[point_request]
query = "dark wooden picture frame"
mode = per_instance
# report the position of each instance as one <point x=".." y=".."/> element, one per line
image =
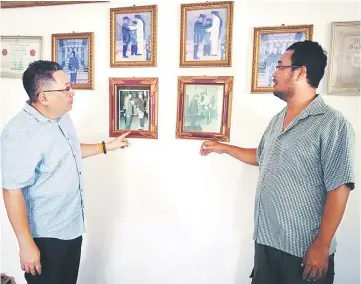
<point x="200" y="108"/>
<point x="125" y="92"/>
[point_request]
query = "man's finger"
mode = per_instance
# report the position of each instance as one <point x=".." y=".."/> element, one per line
<point x="306" y="271"/>
<point x="124" y="144"/>
<point x="313" y="273"/>
<point x="22" y="267"/>
<point x="125" y="134"/>
<point x="33" y="270"/>
<point x="207" y="144"/>
<point x="320" y="273"/>
<point x="27" y="268"/>
<point x="38" y="267"/>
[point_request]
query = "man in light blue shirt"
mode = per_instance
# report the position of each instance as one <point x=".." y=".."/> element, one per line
<point x="42" y="177"/>
<point x="306" y="172"/>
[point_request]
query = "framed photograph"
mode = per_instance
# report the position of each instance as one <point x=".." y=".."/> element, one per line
<point x="74" y="52"/>
<point x="133" y="36"/>
<point x="344" y="66"/>
<point x="133" y="104"/>
<point x="269" y="43"/>
<point x="17" y="52"/>
<point x="204" y="108"/>
<point x="206" y="34"/>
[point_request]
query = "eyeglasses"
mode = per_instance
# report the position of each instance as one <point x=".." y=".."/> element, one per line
<point x="281" y="67"/>
<point x="67" y="89"/>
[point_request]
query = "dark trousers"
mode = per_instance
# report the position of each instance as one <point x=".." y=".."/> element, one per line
<point x="59" y="261"/>
<point x="133" y="49"/>
<point x="272" y="266"/>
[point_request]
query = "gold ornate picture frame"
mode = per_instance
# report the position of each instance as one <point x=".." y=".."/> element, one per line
<point x="268" y="45"/>
<point x="344" y="59"/>
<point x="204" y="107"/>
<point x="133" y="106"/>
<point x="133" y="36"/>
<point x="206" y="34"/>
<point x="75" y="54"/>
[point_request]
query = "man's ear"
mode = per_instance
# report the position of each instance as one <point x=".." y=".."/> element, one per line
<point x="42" y="98"/>
<point x="303" y="72"/>
<point x="300" y="73"/>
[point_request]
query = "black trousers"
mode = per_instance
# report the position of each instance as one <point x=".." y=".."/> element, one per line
<point x="272" y="266"/>
<point x="59" y="261"/>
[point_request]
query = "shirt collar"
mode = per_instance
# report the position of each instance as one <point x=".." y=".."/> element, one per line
<point x="317" y="106"/>
<point x="37" y="115"/>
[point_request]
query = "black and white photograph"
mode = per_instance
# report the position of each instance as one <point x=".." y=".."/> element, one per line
<point x="203" y="108"/>
<point x="133" y="109"/>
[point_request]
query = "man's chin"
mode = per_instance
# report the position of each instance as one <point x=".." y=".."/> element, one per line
<point x="279" y="95"/>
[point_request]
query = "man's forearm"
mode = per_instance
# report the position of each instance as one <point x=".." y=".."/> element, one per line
<point x="332" y="214"/>
<point x="89" y="150"/>
<point x="245" y="155"/>
<point x="17" y="214"/>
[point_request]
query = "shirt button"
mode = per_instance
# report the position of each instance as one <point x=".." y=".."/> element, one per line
<point x="79" y="173"/>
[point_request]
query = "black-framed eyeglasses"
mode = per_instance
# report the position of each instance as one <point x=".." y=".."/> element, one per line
<point x="67" y="89"/>
<point x="281" y="67"/>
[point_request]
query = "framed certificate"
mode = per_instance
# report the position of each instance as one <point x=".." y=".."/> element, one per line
<point x="17" y="52"/>
<point x="344" y="70"/>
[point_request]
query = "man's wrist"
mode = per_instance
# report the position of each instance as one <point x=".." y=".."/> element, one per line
<point x="224" y="148"/>
<point x="102" y="148"/>
<point x="322" y="241"/>
<point x="25" y="239"/>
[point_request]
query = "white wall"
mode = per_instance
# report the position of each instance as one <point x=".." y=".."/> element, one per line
<point x="147" y="222"/>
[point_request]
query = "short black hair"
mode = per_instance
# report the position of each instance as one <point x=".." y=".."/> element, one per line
<point x="38" y="74"/>
<point x="311" y="55"/>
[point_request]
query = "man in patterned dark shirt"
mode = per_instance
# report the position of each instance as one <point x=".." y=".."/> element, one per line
<point x="306" y="172"/>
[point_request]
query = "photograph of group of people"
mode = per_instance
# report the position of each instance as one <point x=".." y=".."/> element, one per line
<point x="203" y="108"/>
<point x="133" y="34"/>
<point x="271" y="47"/>
<point x="133" y="109"/>
<point x="206" y="32"/>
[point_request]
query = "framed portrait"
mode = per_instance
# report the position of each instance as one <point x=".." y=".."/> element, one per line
<point x="133" y="104"/>
<point x="74" y="53"/>
<point x="269" y="43"/>
<point x="204" y="108"/>
<point x="206" y="34"/>
<point x="17" y="52"/>
<point x="344" y="66"/>
<point x="133" y="36"/>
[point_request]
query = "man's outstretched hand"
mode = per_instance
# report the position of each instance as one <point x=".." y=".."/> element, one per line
<point x="211" y="147"/>
<point x="118" y="143"/>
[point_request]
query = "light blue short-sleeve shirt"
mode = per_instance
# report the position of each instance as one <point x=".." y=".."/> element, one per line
<point x="42" y="157"/>
<point x="298" y="167"/>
